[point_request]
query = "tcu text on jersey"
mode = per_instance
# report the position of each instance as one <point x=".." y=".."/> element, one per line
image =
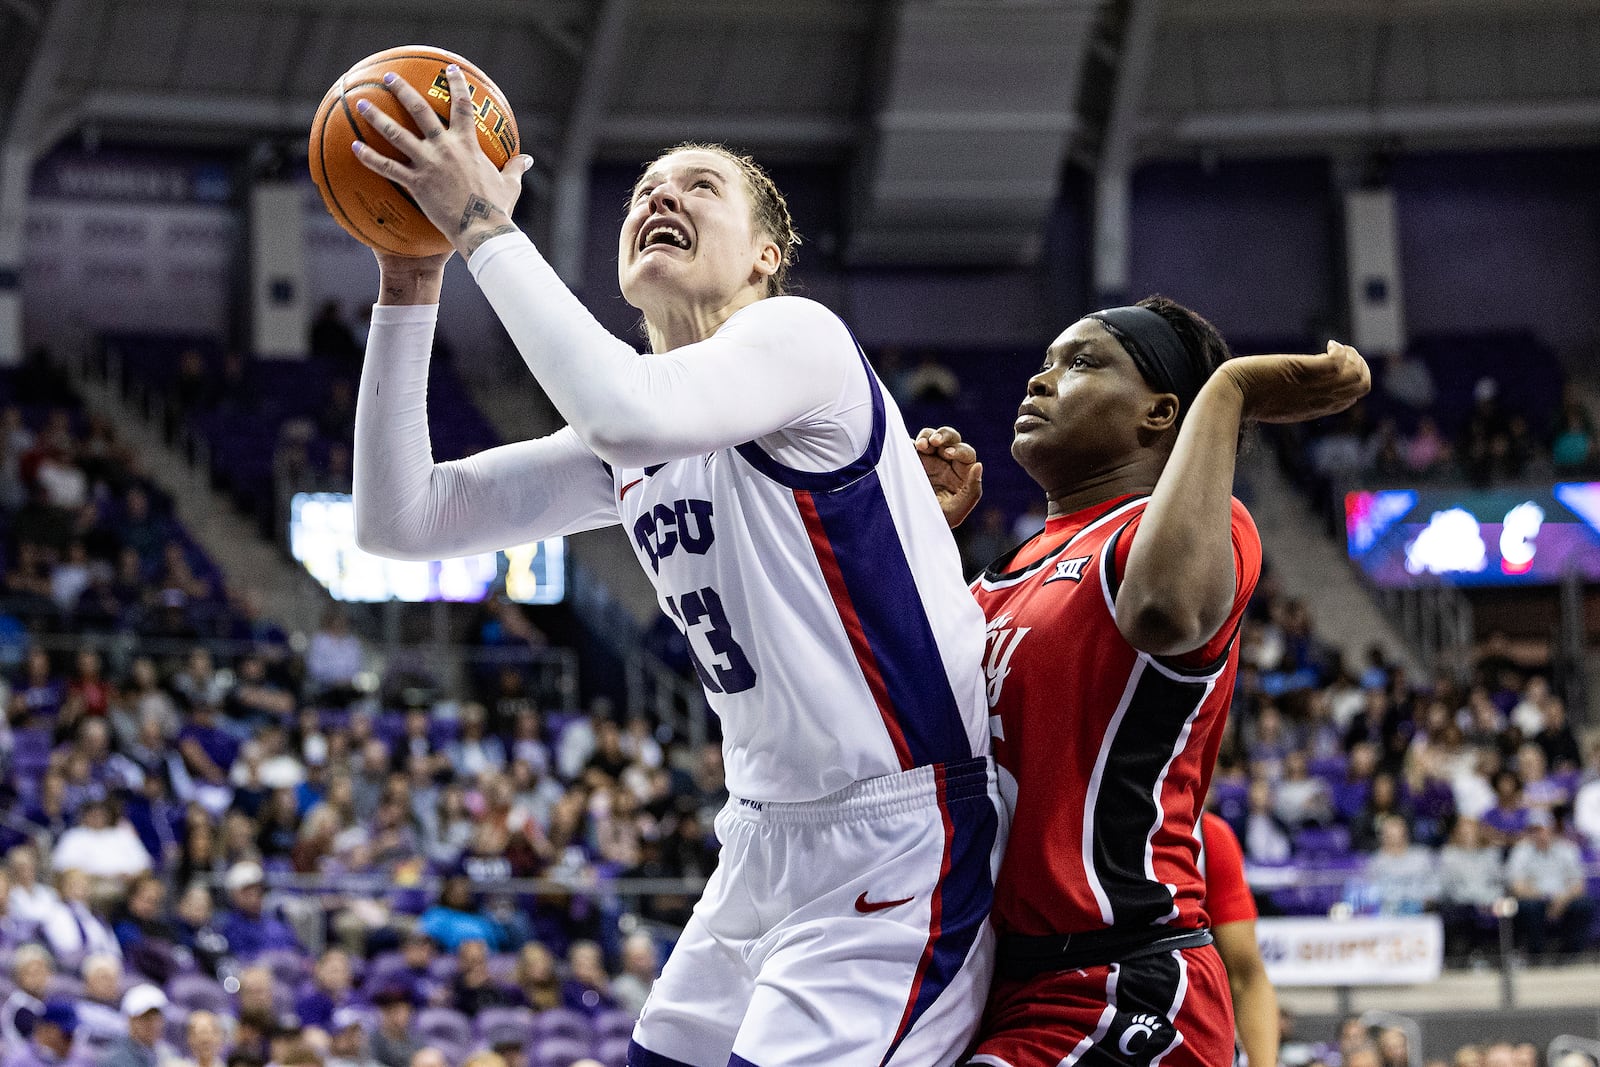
<point x="665" y="528"/>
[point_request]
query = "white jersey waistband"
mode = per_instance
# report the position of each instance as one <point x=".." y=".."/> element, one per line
<point x="887" y="794"/>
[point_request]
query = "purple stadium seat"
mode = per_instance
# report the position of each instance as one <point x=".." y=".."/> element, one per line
<point x="491" y="1019"/>
<point x="63" y="985"/>
<point x="558" y="1052"/>
<point x="382" y="970"/>
<point x="199" y="992"/>
<point x="612" y="1052"/>
<point x="289" y="967"/>
<point x="503" y="968"/>
<point x="613" y="1022"/>
<point x="440" y="1026"/>
<point x="563" y="1022"/>
<point x="1322" y="842"/>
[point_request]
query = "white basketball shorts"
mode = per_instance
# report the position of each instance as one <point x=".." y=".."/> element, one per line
<point x="851" y="930"/>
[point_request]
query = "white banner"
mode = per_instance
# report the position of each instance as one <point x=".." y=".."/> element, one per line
<point x="1401" y="950"/>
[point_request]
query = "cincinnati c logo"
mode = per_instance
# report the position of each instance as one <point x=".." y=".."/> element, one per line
<point x="1137" y="1037"/>
<point x="1069" y="569"/>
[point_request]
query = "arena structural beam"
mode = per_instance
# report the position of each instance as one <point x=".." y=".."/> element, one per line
<point x="1118" y="147"/>
<point x="569" y="215"/>
<point x="975" y="109"/>
<point x="1579" y="119"/>
<point x="18" y="151"/>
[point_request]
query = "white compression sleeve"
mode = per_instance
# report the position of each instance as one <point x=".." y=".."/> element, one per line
<point x="409" y="507"/>
<point x="774" y="365"/>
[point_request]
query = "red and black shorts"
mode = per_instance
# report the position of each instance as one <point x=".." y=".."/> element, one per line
<point x="1170" y="1009"/>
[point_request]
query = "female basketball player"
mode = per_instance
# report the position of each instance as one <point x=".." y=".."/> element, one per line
<point x="1112" y="652"/>
<point x="772" y="494"/>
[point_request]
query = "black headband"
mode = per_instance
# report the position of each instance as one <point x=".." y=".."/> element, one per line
<point x="1157" y="350"/>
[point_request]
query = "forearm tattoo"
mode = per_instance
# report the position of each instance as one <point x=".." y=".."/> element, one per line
<point x="477" y="240"/>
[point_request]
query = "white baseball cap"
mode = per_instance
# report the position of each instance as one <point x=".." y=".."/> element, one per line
<point x="143" y="999"/>
<point x="242" y="874"/>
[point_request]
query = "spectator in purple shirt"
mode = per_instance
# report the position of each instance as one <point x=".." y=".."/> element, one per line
<point x="208" y="753"/>
<point x="248" y="929"/>
<point x="329" y="992"/>
<point x="1505" y="821"/>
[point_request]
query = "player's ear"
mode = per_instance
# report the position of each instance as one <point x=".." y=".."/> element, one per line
<point x="1162" y="414"/>
<point x="768" y="259"/>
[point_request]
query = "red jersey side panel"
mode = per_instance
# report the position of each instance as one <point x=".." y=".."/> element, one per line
<point x="1110" y="750"/>
<point x="1228" y="898"/>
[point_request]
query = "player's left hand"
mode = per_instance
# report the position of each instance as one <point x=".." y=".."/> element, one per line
<point x="1298" y="388"/>
<point x="953" y="470"/>
<point x="447" y="173"/>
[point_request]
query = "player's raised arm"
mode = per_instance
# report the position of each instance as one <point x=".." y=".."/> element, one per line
<point x="697" y="248"/>
<point x="1178" y="585"/>
<point x="408" y="506"/>
<point x="765" y="368"/>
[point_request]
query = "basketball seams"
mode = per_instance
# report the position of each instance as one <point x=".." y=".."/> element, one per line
<point x="328" y="196"/>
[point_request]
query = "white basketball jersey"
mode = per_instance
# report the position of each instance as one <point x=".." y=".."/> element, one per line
<point x="825" y="611"/>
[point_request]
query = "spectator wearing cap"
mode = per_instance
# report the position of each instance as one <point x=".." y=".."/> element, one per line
<point x="144" y="1008"/>
<point x="31" y="970"/>
<point x="202" y="1035"/>
<point x="249" y="930"/>
<point x="52" y="1042"/>
<point x="1546" y="876"/>
<point x="99" y="1009"/>
<point x="347" y="1040"/>
<point x="393" y="1043"/>
<point x="72" y="930"/>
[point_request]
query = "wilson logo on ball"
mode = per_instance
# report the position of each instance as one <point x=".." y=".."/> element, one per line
<point x="440" y="90"/>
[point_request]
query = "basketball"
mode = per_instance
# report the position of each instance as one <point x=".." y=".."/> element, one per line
<point x="373" y="209"/>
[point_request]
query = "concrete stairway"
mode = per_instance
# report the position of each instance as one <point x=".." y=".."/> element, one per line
<point x="288" y="595"/>
<point x="1313" y="568"/>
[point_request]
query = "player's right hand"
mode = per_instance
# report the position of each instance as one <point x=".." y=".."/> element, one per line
<point x="953" y="471"/>
<point x="1298" y="388"/>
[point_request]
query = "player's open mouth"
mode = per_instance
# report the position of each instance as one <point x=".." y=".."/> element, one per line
<point x="662" y="233"/>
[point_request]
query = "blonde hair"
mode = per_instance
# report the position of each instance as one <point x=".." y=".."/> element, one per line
<point x="770" y="211"/>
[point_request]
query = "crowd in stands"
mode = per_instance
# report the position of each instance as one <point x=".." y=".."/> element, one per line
<point x="216" y="843"/>
<point x="1361" y="1043"/>
<point x="1357" y="784"/>
<point x="1448" y="411"/>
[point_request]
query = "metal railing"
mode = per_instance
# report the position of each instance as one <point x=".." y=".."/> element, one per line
<point x="1437" y="621"/>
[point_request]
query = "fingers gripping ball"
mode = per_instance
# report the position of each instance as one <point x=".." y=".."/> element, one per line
<point x="373" y="209"/>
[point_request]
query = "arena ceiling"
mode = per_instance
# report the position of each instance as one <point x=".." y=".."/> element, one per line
<point x="957" y="118"/>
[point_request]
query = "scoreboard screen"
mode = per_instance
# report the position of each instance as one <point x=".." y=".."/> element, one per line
<point x="1506" y="535"/>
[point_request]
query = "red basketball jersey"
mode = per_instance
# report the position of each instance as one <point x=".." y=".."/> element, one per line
<point x="1228" y="898"/>
<point x="1109" y="750"/>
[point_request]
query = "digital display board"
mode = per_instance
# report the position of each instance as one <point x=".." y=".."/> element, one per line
<point x="322" y="536"/>
<point x="1506" y="535"/>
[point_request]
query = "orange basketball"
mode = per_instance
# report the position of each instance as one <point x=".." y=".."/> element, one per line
<point x="373" y="209"/>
